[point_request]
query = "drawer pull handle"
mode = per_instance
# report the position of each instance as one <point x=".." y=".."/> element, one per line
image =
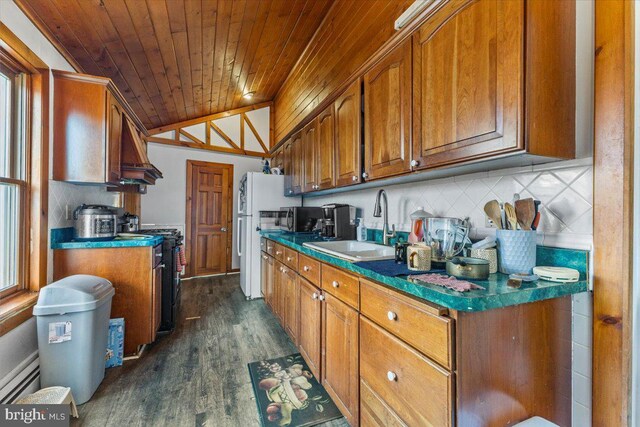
<point x="314" y="296"/>
<point x="392" y="316"/>
<point x="278" y="253"/>
<point x="335" y="284"/>
<point x="306" y="268"/>
<point x="391" y="376"/>
<point x="289" y="258"/>
<point x="321" y="297"/>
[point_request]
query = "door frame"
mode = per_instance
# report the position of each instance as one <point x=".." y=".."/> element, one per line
<point x="188" y="227"/>
<point x="613" y="193"/>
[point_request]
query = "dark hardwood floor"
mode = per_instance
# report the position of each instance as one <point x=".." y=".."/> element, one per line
<point x="197" y="375"/>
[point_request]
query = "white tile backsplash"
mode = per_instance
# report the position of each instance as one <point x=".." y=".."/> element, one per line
<point x="63" y="194"/>
<point x="566" y="192"/>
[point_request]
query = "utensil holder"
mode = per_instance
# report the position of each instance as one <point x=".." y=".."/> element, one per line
<point x="516" y="251"/>
<point x="490" y="255"/>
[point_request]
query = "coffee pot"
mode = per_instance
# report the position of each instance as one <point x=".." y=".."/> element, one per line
<point x="446" y="236"/>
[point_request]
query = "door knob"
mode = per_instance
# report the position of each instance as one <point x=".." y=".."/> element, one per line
<point x="223" y="229"/>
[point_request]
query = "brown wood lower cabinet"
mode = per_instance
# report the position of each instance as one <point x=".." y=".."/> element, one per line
<point x="310" y="325"/>
<point x="391" y="359"/>
<point x="340" y="355"/>
<point x="136" y="275"/>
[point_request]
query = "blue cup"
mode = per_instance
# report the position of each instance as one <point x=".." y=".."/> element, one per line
<point x="516" y="251"/>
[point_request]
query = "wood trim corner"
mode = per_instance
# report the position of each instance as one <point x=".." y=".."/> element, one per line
<point x="613" y="211"/>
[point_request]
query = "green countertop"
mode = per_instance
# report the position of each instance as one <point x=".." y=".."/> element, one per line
<point x="495" y="295"/>
<point x="62" y="238"/>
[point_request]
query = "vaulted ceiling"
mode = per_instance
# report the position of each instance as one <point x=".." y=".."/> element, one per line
<point x="176" y="60"/>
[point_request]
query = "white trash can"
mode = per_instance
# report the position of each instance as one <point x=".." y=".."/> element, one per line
<point x="73" y="326"/>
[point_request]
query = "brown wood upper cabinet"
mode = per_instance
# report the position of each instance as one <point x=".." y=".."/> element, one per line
<point x="86" y="141"/>
<point x="293" y="158"/>
<point x="325" y="176"/>
<point x="387" y="115"/>
<point x="310" y="156"/>
<point x="469" y="82"/>
<point x="347" y="136"/>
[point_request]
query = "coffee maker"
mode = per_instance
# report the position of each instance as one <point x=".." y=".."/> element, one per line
<point x="339" y="221"/>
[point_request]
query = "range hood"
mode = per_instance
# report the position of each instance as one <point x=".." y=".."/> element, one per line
<point x="135" y="167"/>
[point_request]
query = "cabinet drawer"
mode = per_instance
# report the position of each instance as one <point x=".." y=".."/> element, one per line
<point x="271" y="247"/>
<point x="416" y="389"/>
<point x="374" y="411"/>
<point x="421" y="325"/>
<point x="341" y="285"/>
<point x="309" y="269"/>
<point x="278" y="252"/>
<point x="291" y="258"/>
<point x="263" y="244"/>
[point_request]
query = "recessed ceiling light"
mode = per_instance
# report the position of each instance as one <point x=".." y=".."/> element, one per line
<point x="248" y="95"/>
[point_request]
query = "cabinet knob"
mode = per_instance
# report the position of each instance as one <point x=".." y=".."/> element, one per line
<point x="414" y="163"/>
<point x="264" y="257"/>
<point x="335" y="283"/>
<point x="290" y="191"/>
<point x="365" y="175"/>
<point x="354" y="178"/>
<point x="391" y="376"/>
<point x="159" y="255"/>
<point x="289" y="258"/>
<point x="163" y="266"/>
<point x="392" y="316"/>
<point x="223" y="229"/>
<point x="278" y="253"/>
<point x="306" y="268"/>
<point x="314" y="296"/>
<point x="321" y="297"/>
<point x="284" y="270"/>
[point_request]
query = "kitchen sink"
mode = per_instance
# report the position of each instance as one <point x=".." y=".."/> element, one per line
<point x="353" y="250"/>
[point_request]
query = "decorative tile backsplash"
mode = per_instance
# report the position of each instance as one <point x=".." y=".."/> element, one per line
<point x="62" y="194"/>
<point x="564" y="188"/>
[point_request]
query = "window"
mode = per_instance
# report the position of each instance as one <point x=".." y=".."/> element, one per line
<point x="14" y="177"/>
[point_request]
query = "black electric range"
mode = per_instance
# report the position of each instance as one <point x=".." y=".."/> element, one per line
<point x="171" y="247"/>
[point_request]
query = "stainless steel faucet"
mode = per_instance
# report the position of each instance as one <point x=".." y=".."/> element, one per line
<point x="377" y="211"/>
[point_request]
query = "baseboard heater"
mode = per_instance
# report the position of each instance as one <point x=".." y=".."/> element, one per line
<point x="22" y="380"/>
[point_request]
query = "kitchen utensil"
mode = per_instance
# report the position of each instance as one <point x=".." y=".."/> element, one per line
<point x="490" y="254"/>
<point x="419" y="257"/>
<point x="446" y="236"/>
<point x="493" y="211"/>
<point x="526" y="213"/>
<point x="524" y="277"/>
<point x="401" y="252"/>
<point x="94" y="222"/>
<point x="417" y="225"/>
<point x="510" y="214"/>
<point x="557" y="274"/>
<point x="536" y="222"/>
<point x="516" y="251"/>
<point x="486" y="243"/>
<point x="468" y="268"/>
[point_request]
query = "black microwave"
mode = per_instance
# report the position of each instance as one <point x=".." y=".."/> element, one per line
<point x="299" y="219"/>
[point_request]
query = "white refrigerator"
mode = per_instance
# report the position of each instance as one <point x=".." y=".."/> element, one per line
<point x="257" y="192"/>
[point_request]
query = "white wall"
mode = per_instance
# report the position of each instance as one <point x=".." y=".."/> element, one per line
<point x="165" y="202"/>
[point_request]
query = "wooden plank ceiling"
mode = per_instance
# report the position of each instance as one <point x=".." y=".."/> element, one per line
<point x="351" y="33"/>
<point x="176" y="60"/>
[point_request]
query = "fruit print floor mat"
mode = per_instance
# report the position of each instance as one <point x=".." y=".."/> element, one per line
<point x="287" y="393"/>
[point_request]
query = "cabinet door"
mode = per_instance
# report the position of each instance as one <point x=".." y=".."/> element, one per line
<point x="270" y="276"/>
<point x="340" y="374"/>
<point x="114" y="140"/>
<point x="277" y="291"/>
<point x="296" y="163"/>
<point x="291" y="304"/>
<point x="468" y="82"/>
<point x="347" y="136"/>
<point x="287" y="164"/>
<point x="387" y="115"/>
<point x="264" y="274"/>
<point x="310" y="155"/>
<point x="156" y="297"/>
<point x="325" y="157"/>
<point x="310" y="324"/>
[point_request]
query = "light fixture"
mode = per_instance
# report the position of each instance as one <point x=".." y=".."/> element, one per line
<point x="248" y="95"/>
<point x="411" y="12"/>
